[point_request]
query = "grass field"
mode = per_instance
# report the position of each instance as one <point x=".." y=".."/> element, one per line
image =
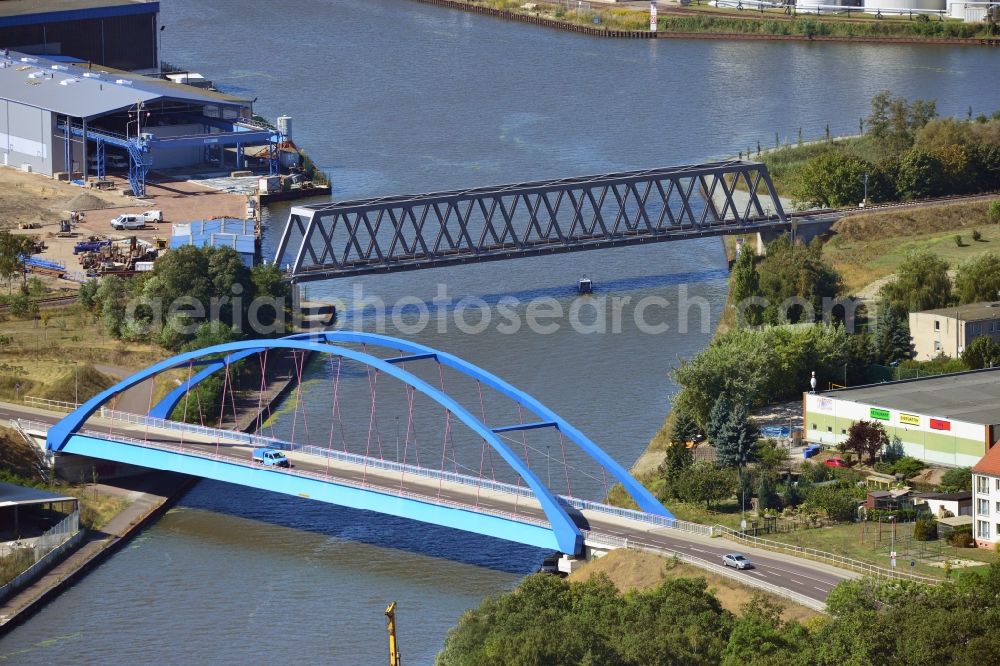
<point x="632" y="570"/>
<point x="47" y="356"/>
<point x="863" y="544"/>
<point x="865" y="248"/>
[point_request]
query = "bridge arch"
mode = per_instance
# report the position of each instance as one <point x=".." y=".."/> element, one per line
<point x="567" y="534"/>
<point x="642" y="497"/>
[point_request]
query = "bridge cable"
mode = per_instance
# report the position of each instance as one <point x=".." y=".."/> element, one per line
<point x="562" y="445"/>
<point x="489" y="450"/>
<point x="299" y="369"/>
<point x="454" y="453"/>
<point x="149" y="408"/>
<point x="187" y="397"/>
<point x="406" y="440"/>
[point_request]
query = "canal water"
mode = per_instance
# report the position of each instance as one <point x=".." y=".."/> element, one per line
<point x="393" y="96"/>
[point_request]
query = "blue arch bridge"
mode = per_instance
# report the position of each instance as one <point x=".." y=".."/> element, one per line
<point x="470" y="451"/>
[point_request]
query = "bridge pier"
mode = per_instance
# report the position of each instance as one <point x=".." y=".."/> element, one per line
<point x="802" y="232"/>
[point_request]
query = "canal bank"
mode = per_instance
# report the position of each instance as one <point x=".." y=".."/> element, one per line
<point x="717" y="25"/>
<point x="149" y="497"/>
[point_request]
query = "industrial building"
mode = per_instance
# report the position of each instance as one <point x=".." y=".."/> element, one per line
<point x="77" y="121"/>
<point x="949" y="419"/>
<point x="113" y="33"/>
<point x="950" y="331"/>
<point x="224" y="232"/>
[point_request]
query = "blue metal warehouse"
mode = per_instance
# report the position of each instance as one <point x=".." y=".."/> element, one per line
<point x="130" y="122"/>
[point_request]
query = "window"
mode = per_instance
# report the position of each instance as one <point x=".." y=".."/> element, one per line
<point x="998" y="484"/>
<point x="829" y="428"/>
<point x="983" y="484"/>
<point x="937" y="345"/>
<point x="814" y="427"/>
<point x="937" y="325"/>
<point x="983" y="508"/>
<point x="843" y="431"/>
<point x="997" y="507"/>
<point x="982" y="529"/>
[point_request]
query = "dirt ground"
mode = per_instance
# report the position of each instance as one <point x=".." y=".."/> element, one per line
<point x="33" y="198"/>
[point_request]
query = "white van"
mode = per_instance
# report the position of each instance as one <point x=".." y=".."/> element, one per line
<point x="128" y="222"/>
<point x="153" y="216"/>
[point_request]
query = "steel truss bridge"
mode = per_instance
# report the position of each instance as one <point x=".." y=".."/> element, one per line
<point x="456" y="482"/>
<point x="526" y="219"/>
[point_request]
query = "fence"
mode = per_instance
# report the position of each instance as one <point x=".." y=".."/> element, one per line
<point x="42" y="552"/>
<point x="823" y="556"/>
<point x="45" y="403"/>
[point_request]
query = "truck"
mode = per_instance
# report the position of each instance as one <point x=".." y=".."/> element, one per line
<point x="128" y="222"/>
<point x="270" y="457"/>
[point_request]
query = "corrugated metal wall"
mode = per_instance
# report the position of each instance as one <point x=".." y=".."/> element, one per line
<point x="25" y="137"/>
<point x="124" y="42"/>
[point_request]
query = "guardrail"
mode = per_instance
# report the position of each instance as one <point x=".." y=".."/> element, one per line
<point x="46" y="403"/>
<point x="840" y="561"/>
<point x="403" y="468"/>
<point x="243" y="462"/>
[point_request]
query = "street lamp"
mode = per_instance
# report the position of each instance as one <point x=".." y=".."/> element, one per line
<point x="864" y="202"/>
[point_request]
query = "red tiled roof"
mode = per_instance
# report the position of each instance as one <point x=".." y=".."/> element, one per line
<point x="990" y="464"/>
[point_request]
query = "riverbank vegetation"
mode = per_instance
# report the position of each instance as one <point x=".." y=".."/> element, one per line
<point x="701" y="18"/>
<point x="905" y="152"/>
<point x="547" y="620"/>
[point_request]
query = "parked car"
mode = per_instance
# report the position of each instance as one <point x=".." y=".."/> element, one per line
<point x="835" y="462"/>
<point x="128" y="222"/>
<point x="736" y="560"/>
<point x="270" y="458"/>
<point x="550" y="564"/>
<point x="153" y="216"/>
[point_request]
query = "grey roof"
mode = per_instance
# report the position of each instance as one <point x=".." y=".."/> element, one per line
<point x="83" y="92"/>
<point x="22" y="7"/>
<point x="973" y="397"/>
<point x="12" y="494"/>
<point x="968" y="312"/>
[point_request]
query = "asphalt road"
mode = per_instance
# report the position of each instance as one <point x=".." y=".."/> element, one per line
<point x="801" y="576"/>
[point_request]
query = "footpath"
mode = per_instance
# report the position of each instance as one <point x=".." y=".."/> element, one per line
<point x="149" y="497"/>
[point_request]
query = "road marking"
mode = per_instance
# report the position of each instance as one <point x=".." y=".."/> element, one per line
<point x="797" y="582"/>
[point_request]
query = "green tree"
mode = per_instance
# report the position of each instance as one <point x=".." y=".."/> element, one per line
<point x="760" y="638"/>
<point x="925" y="529"/>
<point x="706" y="482"/>
<point x="982" y="352"/>
<point x="957" y="480"/>
<point x="675" y="465"/>
<point x="921" y="283"/>
<point x="14" y="248"/>
<point x="919" y="175"/>
<point x="837" y="503"/>
<point x="892" y="336"/>
<point x="978" y="279"/>
<point x="684" y="428"/>
<point x="745" y="286"/>
<point x="113" y="294"/>
<point x="798" y="273"/>
<point x="831" y="179"/>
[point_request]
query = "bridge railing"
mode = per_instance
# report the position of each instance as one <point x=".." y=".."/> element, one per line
<point x="613" y="542"/>
<point x="833" y="559"/>
<point x="320" y="476"/>
<point x="403" y="468"/>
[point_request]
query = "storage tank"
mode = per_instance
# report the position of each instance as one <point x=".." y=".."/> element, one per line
<point x="897" y="7"/>
<point x="970" y="12"/>
<point x="285" y="127"/>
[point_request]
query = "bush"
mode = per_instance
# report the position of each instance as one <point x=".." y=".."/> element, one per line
<point x="908" y="466"/>
<point x="957" y="480"/>
<point x="961" y="537"/>
<point x="925" y="529"/>
<point x="976" y="236"/>
<point x="994" y="211"/>
<point x="839" y="504"/>
<point x="958" y="240"/>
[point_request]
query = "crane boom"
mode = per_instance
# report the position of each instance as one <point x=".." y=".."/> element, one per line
<point x="390" y="615"/>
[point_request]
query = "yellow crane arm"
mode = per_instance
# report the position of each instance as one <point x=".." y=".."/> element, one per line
<point x="390" y="616"/>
